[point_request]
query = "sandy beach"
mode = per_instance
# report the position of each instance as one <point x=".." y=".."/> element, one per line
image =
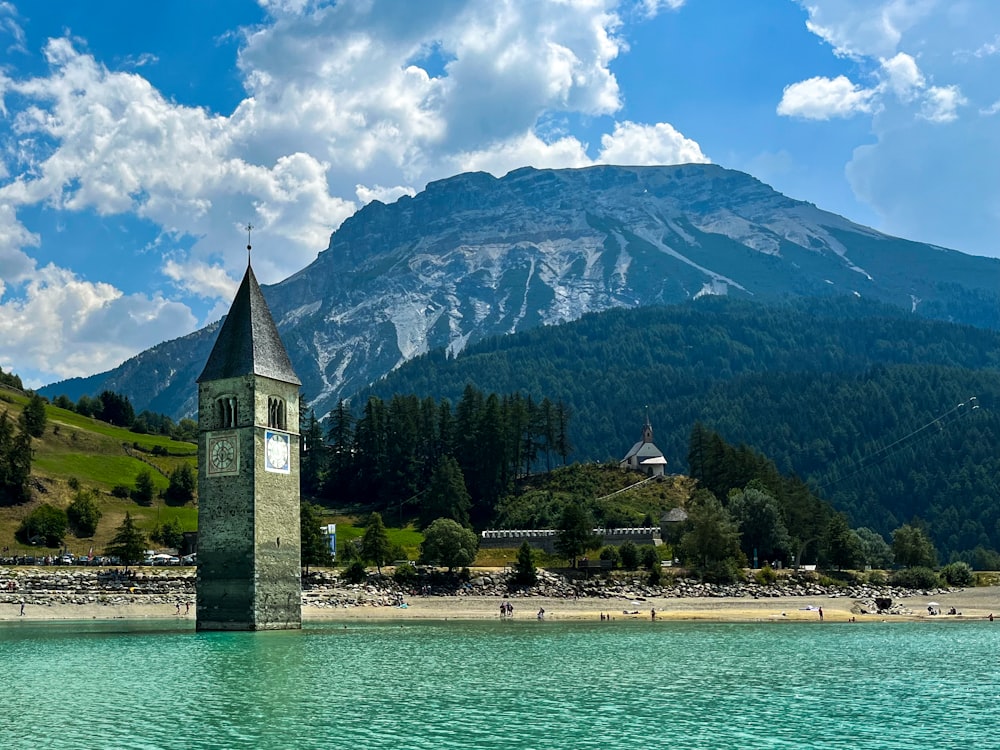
<point x="973" y="604"/>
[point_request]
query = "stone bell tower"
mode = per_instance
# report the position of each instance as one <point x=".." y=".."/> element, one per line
<point x="248" y="480"/>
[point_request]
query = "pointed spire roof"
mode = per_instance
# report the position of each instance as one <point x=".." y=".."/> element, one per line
<point x="248" y="342"/>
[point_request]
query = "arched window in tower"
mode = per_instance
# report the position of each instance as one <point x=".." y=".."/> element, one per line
<point x="225" y="411"/>
<point x="276" y="413"/>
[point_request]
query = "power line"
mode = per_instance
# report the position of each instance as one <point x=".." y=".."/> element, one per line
<point x="958" y="411"/>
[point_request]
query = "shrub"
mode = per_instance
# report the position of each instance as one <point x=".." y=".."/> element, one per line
<point x="45" y="525"/>
<point x="83" y="514"/>
<point x="611" y="553"/>
<point x="648" y="557"/>
<point x="655" y="577"/>
<point x="766" y="576"/>
<point x="404" y="574"/>
<point x="958" y="574"/>
<point x="355" y="572"/>
<point x="916" y="578"/>
<point x="524" y="571"/>
<point x="722" y="571"/>
<point x="628" y="553"/>
<point x="877" y="578"/>
<point x="121" y="491"/>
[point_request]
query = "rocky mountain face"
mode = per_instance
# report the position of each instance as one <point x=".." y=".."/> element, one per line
<point x="475" y="256"/>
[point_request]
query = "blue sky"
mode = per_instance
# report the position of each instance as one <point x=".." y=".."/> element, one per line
<point x="136" y="139"/>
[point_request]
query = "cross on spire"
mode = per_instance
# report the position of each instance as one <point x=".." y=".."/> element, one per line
<point x="249" y="229"/>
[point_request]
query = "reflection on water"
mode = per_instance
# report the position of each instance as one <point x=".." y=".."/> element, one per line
<point x="500" y="685"/>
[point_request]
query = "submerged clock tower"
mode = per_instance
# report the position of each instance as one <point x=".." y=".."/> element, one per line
<point x="248" y="480"/>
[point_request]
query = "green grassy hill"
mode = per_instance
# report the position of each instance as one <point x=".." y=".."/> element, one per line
<point x="77" y="449"/>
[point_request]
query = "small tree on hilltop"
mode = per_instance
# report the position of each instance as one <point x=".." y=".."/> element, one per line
<point x="524" y="571"/>
<point x="128" y="543"/>
<point x="375" y="546"/>
<point x="448" y="543"/>
<point x="34" y="416"/>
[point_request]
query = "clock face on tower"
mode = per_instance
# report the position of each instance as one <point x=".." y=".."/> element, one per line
<point x="277" y="452"/>
<point x="223" y="455"/>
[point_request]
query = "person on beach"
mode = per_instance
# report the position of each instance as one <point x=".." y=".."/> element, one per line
<point x="541" y="613"/>
<point x="22" y="611"/>
<point x="652" y="614"/>
<point x="821" y="614"/>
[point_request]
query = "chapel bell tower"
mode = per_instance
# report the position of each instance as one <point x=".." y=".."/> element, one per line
<point x="248" y="480"/>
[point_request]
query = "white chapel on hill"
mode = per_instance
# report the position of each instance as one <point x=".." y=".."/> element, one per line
<point x="644" y="456"/>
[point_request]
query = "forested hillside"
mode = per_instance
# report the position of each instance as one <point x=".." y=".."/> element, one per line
<point x="860" y="400"/>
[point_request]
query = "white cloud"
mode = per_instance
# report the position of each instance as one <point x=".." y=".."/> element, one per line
<point x="652" y="7"/>
<point x="991" y="110"/>
<point x="202" y="279"/>
<point x="915" y="174"/>
<point x="367" y="194"/>
<point x="637" y="144"/>
<point x="70" y="327"/>
<point x="902" y="76"/>
<point x="518" y="151"/>
<point x="941" y="103"/>
<point x="821" y="98"/>
<point x="857" y="28"/>
<point x="345" y="103"/>
<point x="10" y="27"/>
<point x="15" y="264"/>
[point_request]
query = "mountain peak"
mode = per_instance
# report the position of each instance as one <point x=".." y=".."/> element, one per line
<point x="475" y="256"/>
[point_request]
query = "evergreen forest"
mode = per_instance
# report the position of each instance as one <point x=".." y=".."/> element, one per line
<point x="888" y="416"/>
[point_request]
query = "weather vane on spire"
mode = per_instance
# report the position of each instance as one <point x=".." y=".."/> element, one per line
<point x="249" y="229"/>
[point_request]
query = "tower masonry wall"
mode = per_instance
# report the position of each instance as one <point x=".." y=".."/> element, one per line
<point x="248" y="525"/>
<point x="277" y="549"/>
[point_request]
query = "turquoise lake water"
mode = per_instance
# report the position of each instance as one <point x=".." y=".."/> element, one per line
<point x="503" y="685"/>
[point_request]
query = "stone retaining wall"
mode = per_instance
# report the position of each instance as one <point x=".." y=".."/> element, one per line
<point x="325" y="588"/>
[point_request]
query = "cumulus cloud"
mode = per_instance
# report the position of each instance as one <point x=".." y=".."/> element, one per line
<point x="941" y="103"/>
<point x="70" y="327"/>
<point x="929" y="99"/>
<point x="345" y="103"/>
<point x="902" y="76"/>
<point x="637" y="144"/>
<point x="821" y="98"/>
<point x="864" y="27"/>
<point x="368" y="194"/>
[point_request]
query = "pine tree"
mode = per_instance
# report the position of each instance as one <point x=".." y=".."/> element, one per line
<point x="34" y="415"/>
<point x="15" y="462"/>
<point x="314" y="457"/>
<point x="447" y="496"/>
<point x="375" y="545"/>
<point x="524" y="571"/>
<point x="314" y="544"/>
<point x="128" y="543"/>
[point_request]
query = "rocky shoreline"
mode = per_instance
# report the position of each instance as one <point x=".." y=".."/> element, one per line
<point x="326" y="589"/>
